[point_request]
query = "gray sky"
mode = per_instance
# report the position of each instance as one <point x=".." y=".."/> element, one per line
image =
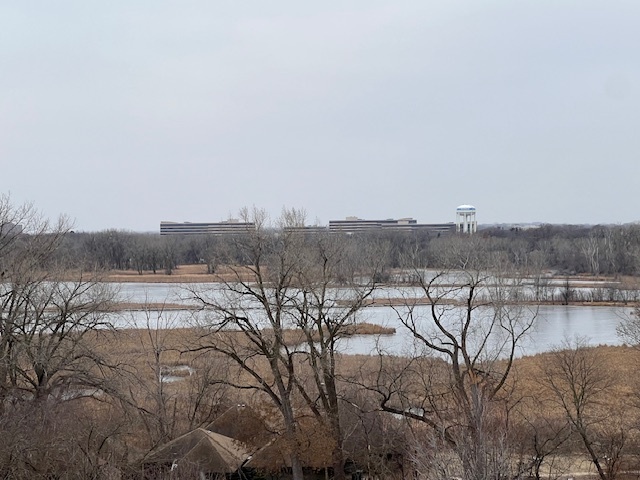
<point x="121" y="114"/>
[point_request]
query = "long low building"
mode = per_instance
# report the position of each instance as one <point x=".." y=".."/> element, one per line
<point x="350" y="225"/>
<point x="206" y="228"/>
<point x="354" y="224"/>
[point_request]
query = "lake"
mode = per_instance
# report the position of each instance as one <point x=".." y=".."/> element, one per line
<point x="553" y="325"/>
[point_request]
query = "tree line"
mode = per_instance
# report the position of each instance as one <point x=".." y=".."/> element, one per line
<point x="596" y="250"/>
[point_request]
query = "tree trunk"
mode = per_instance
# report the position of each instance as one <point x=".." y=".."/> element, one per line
<point x="291" y="430"/>
<point x="592" y="454"/>
<point x="296" y="467"/>
<point x="333" y="414"/>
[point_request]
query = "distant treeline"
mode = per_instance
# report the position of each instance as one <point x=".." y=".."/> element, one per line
<point x="565" y="249"/>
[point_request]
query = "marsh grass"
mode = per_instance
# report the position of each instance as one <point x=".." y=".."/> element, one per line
<point x="142" y="353"/>
<point x="296" y="336"/>
<point x="181" y="274"/>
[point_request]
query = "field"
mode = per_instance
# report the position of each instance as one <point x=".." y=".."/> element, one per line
<point x="181" y="274"/>
<point x="167" y="353"/>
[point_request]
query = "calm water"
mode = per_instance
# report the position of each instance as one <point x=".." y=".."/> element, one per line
<point x="553" y="325"/>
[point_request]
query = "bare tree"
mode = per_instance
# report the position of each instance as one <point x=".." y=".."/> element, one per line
<point x="541" y="433"/>
<point x="579" y="384"/>
<point x="153" y="399"/>
<point x="165" y="392"/>
<point x="467" y="322"/>
<point x="281" y="314"/>
<point x="629" y="328"/>
<point x="45" y="311"/>
<point x="50" y="320"/>
<point x="541" y="282"/>
<point x="590" y="248"/>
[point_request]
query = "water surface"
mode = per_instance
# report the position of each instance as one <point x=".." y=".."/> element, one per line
<point x="553" y="325"/>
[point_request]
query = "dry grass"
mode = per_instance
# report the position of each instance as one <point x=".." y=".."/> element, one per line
<point x="180" y="274"/>
<point x="297" y="337"/>
<point x="618" y="363"/>
<point x="135" y="348"/>
<point x="365" y="328"/>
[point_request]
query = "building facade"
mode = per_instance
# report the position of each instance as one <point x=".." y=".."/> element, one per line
<point x="206" y="228"/>
<point x="350" y="225"/>
<point x="354" y="225"/>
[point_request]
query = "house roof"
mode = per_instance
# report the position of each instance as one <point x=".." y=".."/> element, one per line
<point x="242" y="423"/>
<point x="212" y="452"/>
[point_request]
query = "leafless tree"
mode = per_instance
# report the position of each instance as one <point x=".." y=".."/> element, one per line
<point x="154" y="401"/>
<point x="541" y="434"/>
<point x="281" y="314"/>
<point x="629" y="328"/>
<point x="45" y="312"/>
<point x="164" y="392"/>
<point x="467" y="322"/>
<point x="50" y="320"/>
<point x="579" y="384"/>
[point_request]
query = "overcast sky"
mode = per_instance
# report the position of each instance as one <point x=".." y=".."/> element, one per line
<point x="121" y="114"/>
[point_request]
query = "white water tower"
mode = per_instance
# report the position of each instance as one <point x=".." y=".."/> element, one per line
<point x="466" y="219"/>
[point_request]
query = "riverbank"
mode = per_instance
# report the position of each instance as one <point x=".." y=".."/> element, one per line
<point x="180" y="274"/>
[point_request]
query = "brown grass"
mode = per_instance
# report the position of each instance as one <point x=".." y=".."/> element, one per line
<point x="180" y="274"/>
<point x="619" y="363"/>
<point x="135" y="348"/>
<point x="365" y="328"/>
<point x="297" y="337"/>
<point x="129" y="306"/>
